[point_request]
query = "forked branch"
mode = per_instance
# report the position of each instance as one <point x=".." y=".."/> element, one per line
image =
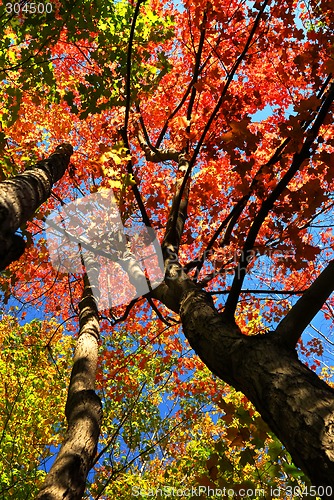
<point x="156" y="155"/>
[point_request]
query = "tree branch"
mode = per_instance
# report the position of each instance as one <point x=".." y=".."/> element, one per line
<point x="185" y="96"/>
<point x="301" y="314"/>
<point x="157" y="312"/>
<point x="166" y="296"/>
<point x="156" y="155"/>
<point x="177" y="217"/>
<point x="124" y="130"/>
<point x="221" y="99"/>
<point x="269" y="292"/>
<point x="125" y="314"/>
<point x="227" y="84"/>
<point x="230" y="221"/>
<point x="129" y="65"/>
<point x="196" y="73"/>
<point x="267" y="205"/>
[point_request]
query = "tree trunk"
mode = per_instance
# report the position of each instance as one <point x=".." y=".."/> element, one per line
<point x="22" y="195"/>
<point x="66" y="479"/>
<point x="295" y="403"/>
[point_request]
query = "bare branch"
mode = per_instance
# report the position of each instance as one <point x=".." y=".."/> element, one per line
<point x="157" y="312"/>
<point x="294" y="323"/>
<point x="125" y="314"/>
<point x="321" y="334"/>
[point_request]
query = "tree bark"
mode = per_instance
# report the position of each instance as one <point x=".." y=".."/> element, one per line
<point x="22" y="195"/>
<point x="66" y="479"/>
<point x="295" y="403"/>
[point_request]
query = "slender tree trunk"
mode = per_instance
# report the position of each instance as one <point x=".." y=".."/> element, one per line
<point x="66" y="479"/>
<point x="22" y="195"/>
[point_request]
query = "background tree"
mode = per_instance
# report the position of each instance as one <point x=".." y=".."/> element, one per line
<point x="212" y="122"/>
<point x="22" y="195"/>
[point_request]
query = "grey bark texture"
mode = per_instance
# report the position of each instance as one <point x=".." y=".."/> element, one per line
<point x="22" y="195"/>
<point x="66" y="479"/>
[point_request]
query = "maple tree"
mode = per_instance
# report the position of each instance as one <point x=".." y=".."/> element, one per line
<point x="148" y="449"/>
<point x="212" y="123"/>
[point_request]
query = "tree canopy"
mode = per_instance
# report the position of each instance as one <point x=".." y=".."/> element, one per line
<point x="212" y="124"/>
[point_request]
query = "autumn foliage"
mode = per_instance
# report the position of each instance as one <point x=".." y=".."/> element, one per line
<point x="212" y="121"/>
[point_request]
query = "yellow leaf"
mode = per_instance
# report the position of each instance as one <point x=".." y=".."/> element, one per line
<point x="115" y="184"/>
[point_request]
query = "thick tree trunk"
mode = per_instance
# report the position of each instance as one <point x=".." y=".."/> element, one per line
<point x="66" y="479"/>
<point x="295" y="403"/>
<point x="22" y="195"/>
